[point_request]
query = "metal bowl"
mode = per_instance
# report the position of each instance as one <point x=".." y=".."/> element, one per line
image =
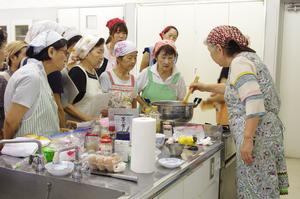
<point x="175" y="149"/>
<point x="176" y="110"/>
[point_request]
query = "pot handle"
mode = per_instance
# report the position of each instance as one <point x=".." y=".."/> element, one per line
<point x="197" y="101"/>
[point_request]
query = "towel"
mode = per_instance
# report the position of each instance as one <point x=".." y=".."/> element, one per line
<point x="20" y="149"/>
<point x="205" y="141"/>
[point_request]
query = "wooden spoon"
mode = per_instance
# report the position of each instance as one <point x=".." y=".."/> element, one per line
<point x="186" y="98"/>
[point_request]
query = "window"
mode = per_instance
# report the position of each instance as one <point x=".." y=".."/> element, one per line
<point x="21" y="31"/>
<point x="91" y="22"/>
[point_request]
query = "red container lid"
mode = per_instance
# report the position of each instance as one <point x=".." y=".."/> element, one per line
<point x="91" y="134"/>
<point x="105" y="140"/>
<point x="111" y="128"/>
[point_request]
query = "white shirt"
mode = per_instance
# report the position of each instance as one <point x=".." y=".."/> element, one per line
<point x="143" y="80"/>
<point x="24" y="86"/>
<point x="111" y="59"/>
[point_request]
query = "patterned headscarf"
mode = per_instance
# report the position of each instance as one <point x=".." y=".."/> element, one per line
<point x="123" y="48"/>
<point x="223" y="34"/>
<point x="162" y="43"/>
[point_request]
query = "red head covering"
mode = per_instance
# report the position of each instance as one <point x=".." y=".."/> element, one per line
<point x="223" y="34"/>
<point x="165" y="30"/>
<point x="113" y="22"/>
<point x="162" y="43"/>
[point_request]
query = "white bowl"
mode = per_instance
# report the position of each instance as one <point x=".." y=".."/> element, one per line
<point x="63" y="168"/>
<point x="170" y="163"/>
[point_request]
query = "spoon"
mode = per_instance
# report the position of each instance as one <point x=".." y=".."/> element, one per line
<point x="185" y="99"/>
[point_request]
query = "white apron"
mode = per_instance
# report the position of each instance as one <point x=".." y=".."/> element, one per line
<point x="89" y="104"/>
<point x="70" y="90"/>
<point x="44" y="119"/>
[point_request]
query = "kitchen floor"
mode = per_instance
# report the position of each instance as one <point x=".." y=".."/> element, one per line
<point x="293" y="166"/>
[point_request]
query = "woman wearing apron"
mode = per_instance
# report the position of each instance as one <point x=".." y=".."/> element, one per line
<point x="28" y="102"/>
<point x="89" y="50"/>
<point x="119" y="82"/>
<point x="168" y="33"/>
<point x="162" y="81"/>
<point x="253" y="106"/>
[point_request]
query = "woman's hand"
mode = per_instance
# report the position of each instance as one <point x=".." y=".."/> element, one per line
<point x="198" y="86"/>
<point x="246" y="150"/>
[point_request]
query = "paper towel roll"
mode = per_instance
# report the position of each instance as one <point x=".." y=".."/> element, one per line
<point x="143" y="145"/>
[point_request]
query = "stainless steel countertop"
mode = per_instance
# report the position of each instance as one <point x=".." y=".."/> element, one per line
<point x="149" y="185"/>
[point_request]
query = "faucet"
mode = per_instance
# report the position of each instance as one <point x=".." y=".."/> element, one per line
<point x="38" y="159"/>
<point x="77" y="164"/>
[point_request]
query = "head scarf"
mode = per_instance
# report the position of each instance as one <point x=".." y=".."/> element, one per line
<point x="70" y="32"/>
<point x="113" y="22"/>
<point x="42" y="26"/>
<point x="162" y="43"/>
<point x="165" y="30"/>
<point x="13" y="47"/>
<point x="123" y="48"/>
<point x="84" y="46"/>
<point x="223" y="34"/>
<point x="43" y="40"/>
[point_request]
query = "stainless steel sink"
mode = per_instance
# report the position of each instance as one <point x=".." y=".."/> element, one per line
<point x="20" y="185"/>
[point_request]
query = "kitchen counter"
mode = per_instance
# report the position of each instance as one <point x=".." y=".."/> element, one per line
<point x="149" y="185"/>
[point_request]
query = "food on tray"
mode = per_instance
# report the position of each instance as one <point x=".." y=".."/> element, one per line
<point x="110" y="163"/>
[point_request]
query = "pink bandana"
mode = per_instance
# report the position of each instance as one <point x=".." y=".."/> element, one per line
<point x="223" y="34"/>
<point x="162" y="43"/>
<point x="122" y="48"/>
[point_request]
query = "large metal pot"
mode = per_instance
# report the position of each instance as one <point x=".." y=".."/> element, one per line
<point x="176" y="110"/>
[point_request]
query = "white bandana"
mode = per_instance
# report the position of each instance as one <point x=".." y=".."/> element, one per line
<point x="84" y="46"/>
<point x="70" y="32"/>
<point x="44" y="39"/>
<point x="122" y="48"/>
<point x="42" y="26"/>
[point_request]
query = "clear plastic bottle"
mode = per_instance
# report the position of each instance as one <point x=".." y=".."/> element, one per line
<point x="106" y="146"/>
<point x="112" y="134"/>
<point x="97" y="128"/>
<point x="156" y="115"/>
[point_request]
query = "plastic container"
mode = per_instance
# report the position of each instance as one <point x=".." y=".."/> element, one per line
<point x="167" y="129"/>
<point x="112" y="134"/>
<point x="122" y="148"/>
<point x="104" y="132"/>
<point x="106" y="146"/>
<point x="97" y="128"/>
<point x="156" y="115"/>
<point x="91" y="142"/>
<point x="48" y="153"/>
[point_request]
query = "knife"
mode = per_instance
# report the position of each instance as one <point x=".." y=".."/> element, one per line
<point x="115" y="175"/>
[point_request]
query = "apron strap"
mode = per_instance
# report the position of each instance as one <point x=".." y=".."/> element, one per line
<point x="150" y="75"/>
<point x="175" y="78"/>
<point x="132" y="80"/>
<point x="111" y="78"/>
